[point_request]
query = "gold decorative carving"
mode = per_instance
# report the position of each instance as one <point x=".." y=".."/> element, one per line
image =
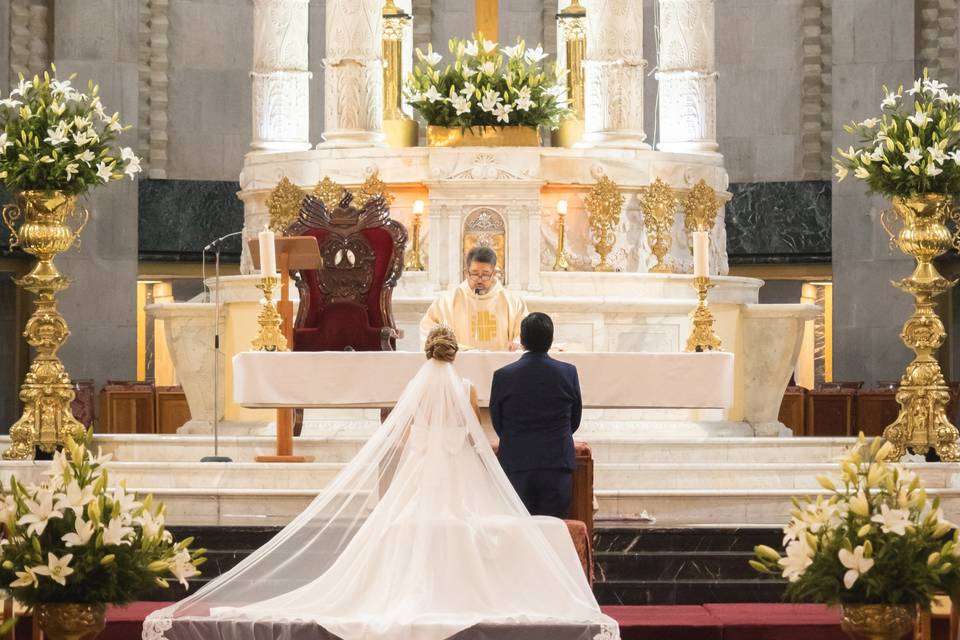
<point x="659" y="205"/>
<point x="47" y="420"/>
<point x="700" y="208"/>
<point x="329" y="192"/>
<point x="270" y="336"/>
<point x="372" y="187"/>
<point x="604" y="203"/>
<point x="923" y="394"/>
<point x="877" y="621"/>
<point x="703" y="337"/>
<point x="284" y="204"/>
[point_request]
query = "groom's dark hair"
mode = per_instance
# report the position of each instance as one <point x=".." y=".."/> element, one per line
<point x="536" y="332"/>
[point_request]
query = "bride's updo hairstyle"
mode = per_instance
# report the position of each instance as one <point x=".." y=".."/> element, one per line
<point x="441" y="344"/>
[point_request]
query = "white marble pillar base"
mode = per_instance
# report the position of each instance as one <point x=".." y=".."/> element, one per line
<point x="281" y="111"/>
<point x="689" y="125"/>
<point x="614" y="104"/>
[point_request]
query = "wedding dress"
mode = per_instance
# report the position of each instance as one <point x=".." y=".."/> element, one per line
<point x="420" y="537"/>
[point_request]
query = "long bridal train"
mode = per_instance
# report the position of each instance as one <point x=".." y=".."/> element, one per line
<point x="420" y="537"/>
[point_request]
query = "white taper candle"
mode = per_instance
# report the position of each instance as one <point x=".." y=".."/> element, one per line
<point x="701" y="254"/>
<point x="268" y="254"/>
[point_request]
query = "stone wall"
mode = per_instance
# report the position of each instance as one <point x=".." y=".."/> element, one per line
<point x="874" y="44"/>
<point x="98" y="40"/>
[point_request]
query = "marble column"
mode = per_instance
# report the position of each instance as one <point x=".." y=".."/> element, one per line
<point x="687" y="76"/>
<point x="353" y="74"/>
<point x="281" y="81"/>
<point x="614" y="71"/>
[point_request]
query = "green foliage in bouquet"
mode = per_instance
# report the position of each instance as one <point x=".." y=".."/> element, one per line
<point x="55" y="138"/>
<point x="912" y="147"/>
<point x="875" y="540"/>
<point x="487" y="86"/>
<point x="75" y="539"/>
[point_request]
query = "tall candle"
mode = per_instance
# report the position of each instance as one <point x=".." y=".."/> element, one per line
<point x="701" y="254"/>
<point x="562" y="208"/>
<point x="418" y="206"/>
<point x="268" y="256"/>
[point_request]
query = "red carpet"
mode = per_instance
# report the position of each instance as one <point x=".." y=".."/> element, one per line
<point x="693" y="622"/>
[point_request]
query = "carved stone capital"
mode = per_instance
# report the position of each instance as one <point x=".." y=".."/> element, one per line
<point x="280" y="35"/>
<point x="614" y="104"/>
<point x="281" y="110"/>
<point x="688" y="111"/>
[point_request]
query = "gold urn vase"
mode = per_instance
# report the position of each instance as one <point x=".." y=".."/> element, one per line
<point x="44" y="224"/>
<point x="923" y="394"/>
<point x="68" y="621"/>
<point x="877" y="621"/>
<point x="510" y="136"/>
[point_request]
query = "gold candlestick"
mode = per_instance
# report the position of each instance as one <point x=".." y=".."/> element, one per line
<point x="561" y="263"/>
<point x="573" y="28"/>
<point x="400" y="130"/>
<point x="702" y="335"/>
<point x="270" y="337"/>
<point x="414" y="261"/>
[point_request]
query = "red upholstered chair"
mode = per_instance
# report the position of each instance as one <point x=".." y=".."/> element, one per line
<point x="346" y="304"/>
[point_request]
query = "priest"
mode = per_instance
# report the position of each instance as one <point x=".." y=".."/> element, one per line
<point x="483" y="314"/>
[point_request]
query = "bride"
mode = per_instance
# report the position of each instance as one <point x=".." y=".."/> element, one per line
<point x="420" y="537"/>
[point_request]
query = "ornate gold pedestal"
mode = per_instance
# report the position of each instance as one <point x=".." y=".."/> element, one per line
<point x="923" y="393"/>
<point x="604" y="203"/>
<point x="659" y="206"/>
<point x="401" y="132"/>
<point x="65" y="621"/>
<point x="47" y="391"/>
<point x="877" y="621"/>
<point x="702" y="336"/>
<point x="270" y="336"/>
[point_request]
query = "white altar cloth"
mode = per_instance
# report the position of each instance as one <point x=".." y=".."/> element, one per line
<point x="326" y="379"/>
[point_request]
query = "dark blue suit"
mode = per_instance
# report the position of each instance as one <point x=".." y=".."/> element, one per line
<point x="535" y="408"/>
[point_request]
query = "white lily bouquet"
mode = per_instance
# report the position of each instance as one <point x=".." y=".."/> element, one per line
<point x="912" y="147"/>
<point x="55" y="138"/>
<point x="75" y="539"/>
<point x="875" y="540"/>
<point x="487" y="86"/>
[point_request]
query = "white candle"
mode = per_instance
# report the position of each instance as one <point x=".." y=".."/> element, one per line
<point x="562" y="208"/>
<point x="417" y="207"/>
<point x="701" y="254"/>
<point x="268" y="255"/>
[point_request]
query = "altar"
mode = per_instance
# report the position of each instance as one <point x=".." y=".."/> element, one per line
<point x="595" y="230"/>
<point x="328" y="379"/>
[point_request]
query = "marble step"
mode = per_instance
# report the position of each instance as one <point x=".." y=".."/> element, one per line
<point x="615" y="536"/>
<point x="671" y="592"/>
<point x="684" y="507"/>
<point x="620" y="450"/>
<point x="673" y="565"/>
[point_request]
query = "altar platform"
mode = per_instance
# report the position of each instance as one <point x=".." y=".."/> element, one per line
<point x="680" y="482"/>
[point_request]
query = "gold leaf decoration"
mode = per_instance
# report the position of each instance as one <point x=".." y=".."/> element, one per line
<point x="284" y="204"/>
<point x="329" y="192"/>
<point x="659" y="206"/>
<point x="604" y="203"/>
<point x="372" y="187"/>
<point x="700" y="208"/>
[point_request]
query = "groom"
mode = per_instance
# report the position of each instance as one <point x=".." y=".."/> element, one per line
<point x="535" y="407"/>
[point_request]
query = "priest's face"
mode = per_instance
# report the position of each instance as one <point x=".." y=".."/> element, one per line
<point x="481" y="276"/>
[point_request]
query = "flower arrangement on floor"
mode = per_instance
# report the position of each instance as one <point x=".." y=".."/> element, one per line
<point x="875" y="540"/>
<point x="55" y="138"/>
<point x="75" y="539"/>
<point x="912" y="147"/>
<point x="487" y="86"/>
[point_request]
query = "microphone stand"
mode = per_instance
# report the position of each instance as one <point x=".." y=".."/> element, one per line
<point x="216" y="246"/>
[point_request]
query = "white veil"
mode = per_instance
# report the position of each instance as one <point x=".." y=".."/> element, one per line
<point x="420" y="537"/>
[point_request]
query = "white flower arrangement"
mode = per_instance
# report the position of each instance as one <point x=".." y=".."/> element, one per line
<point x="875" y="540"/>
<point x="55" y="138"/>
<point x="487" y="86"/>
<point x="912" y="148"/>
<point x="73" y="538"/>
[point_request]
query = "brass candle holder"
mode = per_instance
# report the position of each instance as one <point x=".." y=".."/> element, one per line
<point x="561" y="263"/>
<point x="399" y="130"/>
<point x="414" y="261"/>
<point x="573" y="28"/>
<point x="702" y="335"/>
<point x="270" y="336"/>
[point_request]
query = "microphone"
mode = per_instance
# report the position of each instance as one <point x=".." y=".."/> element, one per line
<point x="477" y="291"/>
<point x="221" y="239"/>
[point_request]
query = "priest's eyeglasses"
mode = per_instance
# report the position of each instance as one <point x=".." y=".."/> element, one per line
<point x="481" y="277"/>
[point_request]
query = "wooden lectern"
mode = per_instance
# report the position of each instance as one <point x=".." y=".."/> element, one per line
<point x="300" y="253"/>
